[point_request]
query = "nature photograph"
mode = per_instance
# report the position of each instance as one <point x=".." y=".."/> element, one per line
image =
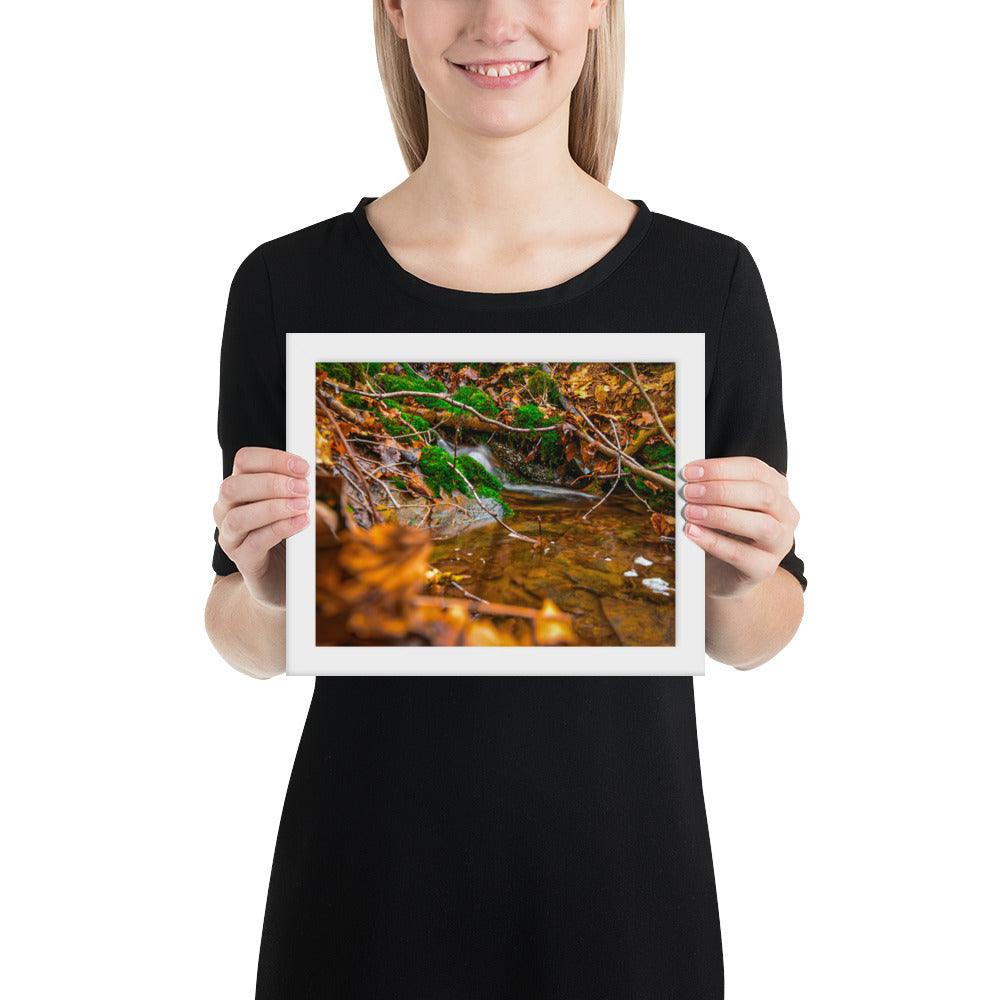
<point x="495" y="504"/>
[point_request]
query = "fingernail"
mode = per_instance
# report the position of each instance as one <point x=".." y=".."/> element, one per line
<point x="693" y="529"/>
<point x="693" y="472"/>
<point x="299" y="503"/>
<point x="695" y="511"/>
<point x="299" y="485"/>
<point x="693" y="490"/>
<point x="299" y="466"/>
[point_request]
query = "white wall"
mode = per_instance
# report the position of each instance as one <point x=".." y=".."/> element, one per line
<point x="848" y="781"/>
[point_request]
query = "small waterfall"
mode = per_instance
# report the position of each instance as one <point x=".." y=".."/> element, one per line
<point x="482" y="454"/>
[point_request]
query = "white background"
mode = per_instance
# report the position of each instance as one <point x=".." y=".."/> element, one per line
<point x="849" y="781"/>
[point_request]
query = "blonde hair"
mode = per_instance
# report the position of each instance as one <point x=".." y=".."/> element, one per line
<point x="595" y="105"/>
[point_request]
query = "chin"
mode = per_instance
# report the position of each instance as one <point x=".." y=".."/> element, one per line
<point x="501" y="126"/>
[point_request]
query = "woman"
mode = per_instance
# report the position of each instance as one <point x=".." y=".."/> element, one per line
<point x="477" y="837"/>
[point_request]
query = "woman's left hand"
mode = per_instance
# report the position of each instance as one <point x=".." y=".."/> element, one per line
<point x="740" y="514"/>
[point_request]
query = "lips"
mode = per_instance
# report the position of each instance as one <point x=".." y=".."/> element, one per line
<point x="499" y="75"/>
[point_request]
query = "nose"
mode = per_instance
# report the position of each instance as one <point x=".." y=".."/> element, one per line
<point x="497" y="22"/>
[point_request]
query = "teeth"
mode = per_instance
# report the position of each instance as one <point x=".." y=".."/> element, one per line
<point x="507" y="69"/>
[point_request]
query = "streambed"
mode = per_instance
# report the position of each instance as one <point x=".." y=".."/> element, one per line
<point x="610" y="571"/>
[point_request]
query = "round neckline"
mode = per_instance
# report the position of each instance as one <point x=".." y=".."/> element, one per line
<point x="578" y="284"/>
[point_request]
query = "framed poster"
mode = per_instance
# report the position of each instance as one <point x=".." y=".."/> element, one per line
<point x="495" y="503"/>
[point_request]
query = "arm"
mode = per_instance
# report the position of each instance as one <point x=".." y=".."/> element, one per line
<point x="246" y="634"/>
<point x="747" y="631"/>
<point x="260" y="505"/>
<point x="744" y="520"/>
<point x="738" y="509"/>
<point x="263" y="496"/>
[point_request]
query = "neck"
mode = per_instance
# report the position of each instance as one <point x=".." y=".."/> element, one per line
<point x="512" y="184"/>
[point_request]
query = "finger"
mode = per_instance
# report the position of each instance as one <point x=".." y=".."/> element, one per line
<point x="734" y="467"/>
<point x="248" y="488"/>
<point x="746" y="494"/>
<point x="763" y="530"/>
<point x="247" y="517"/>
<point x="269" y="460"/>
<point x="251" y="556"/>
<point x="752" y="562"/>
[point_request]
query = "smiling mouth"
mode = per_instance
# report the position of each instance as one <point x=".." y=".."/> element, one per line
<point x="500" y="69"/>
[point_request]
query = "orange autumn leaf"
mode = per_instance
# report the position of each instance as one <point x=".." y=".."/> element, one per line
<point x="550" y="627"/>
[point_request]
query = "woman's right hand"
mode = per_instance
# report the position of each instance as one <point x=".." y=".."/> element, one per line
<point x="261" y="504"/>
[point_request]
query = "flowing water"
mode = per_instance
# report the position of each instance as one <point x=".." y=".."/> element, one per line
<point x="610" y="571"/>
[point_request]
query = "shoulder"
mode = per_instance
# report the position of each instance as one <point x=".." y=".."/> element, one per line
<point x="303" y="247"/>
<point x="690" y="271"/>
<point x="720" y="266"/>
<point x="305" y="273"/>
<point x="705" y="249"/>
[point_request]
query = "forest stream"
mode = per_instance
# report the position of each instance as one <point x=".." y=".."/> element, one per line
<point x="495" y="503"/>
<point x="607" y="571"/>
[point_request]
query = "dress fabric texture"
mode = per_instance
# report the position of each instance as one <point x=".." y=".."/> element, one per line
<point x="486" y="838"/>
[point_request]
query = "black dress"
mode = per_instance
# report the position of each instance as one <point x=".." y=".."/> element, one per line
<point x="479" y="838"/>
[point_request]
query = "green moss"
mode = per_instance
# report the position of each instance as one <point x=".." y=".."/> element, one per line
<point x="397" y="383"/>
<point x="467" y="394"/>
<point x="542" y="385"/>
<point x="349" y="374"/>
<point x="659" y="500"/>
<point x="656" y="455"/>
<point x="552" y="451"/>
<point x="356" y="401"/>
<point x="336" y="370"/>
<point x="418" y="422"/>
<point x="411" y="380"/>
<point x="640" y="485"/>
<point x="397" y="427"/>
<point x="435" y="464"/>
<point x="478" y="474"/>
<point x="530" y="415"/>
<point x="477" y="399"/>
<point x="399" y="482"/>
<point x="439" y="472"/>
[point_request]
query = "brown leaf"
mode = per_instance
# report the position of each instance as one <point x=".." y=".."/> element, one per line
<point x="662" y="523"/>
<point x="417" y="483"/>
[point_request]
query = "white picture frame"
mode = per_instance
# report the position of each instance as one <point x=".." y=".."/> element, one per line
<point x="304" y="657"/>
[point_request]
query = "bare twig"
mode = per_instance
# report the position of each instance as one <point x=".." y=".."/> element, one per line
<point x="592" y="425"/>
<point x="634" y="378"/>
<point x="447" y="398"/>
<point x="388" y="492"/>
<point x="617" y="478"/>
<point x="653" y="477"/>
<point x="351" y="458"/>
<point x="499" y="520"/>
<point x="467" y="593"/>
<point x="641" y="500"/>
